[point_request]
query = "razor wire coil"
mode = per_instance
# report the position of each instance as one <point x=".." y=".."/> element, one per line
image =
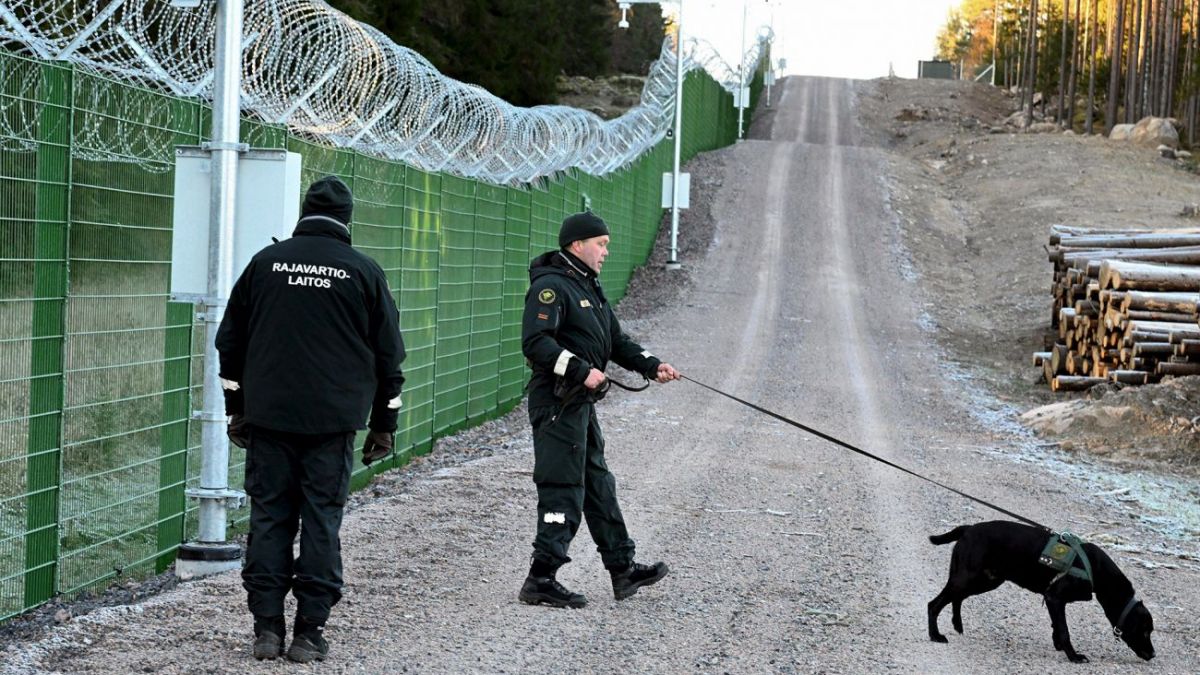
<point x="328" y="78"/>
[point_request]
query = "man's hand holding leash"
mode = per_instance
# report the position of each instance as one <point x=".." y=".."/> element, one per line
<point x="666" y="373"/>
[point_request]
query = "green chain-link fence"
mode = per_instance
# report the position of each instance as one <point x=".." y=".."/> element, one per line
<point x="99" y="369"/>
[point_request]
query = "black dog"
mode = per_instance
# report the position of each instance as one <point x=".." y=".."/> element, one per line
<point x="988" y="554"/>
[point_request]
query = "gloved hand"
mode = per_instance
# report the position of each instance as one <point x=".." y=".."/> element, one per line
<point x="238" y="431"/>
<point x="377" y="446"/>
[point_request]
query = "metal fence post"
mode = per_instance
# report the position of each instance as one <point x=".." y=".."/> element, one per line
<point x="48" y="338"/>
<point x="211" y="553"/>
<point x="172" y="468"/>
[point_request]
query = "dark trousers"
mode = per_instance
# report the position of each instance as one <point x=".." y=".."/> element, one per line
<point x="573" y="483"/>
<point x="296" y="482"/>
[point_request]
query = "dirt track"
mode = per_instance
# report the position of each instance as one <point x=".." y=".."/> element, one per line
<point x="788" y="554"/>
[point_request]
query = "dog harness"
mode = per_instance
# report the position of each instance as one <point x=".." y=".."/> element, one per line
<point x="1060" y="554"/>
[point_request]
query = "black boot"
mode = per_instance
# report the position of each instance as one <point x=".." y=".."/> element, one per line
<point x="308" y="644"/>
<point x="626" y="582"/>
<point x="268" y="637"/>
<point x="541" y="587"/>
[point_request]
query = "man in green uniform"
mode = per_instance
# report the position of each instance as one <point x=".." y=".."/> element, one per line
<point x="569" y="333"/>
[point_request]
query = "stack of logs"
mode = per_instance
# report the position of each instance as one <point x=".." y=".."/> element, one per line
<point x="1125" y="306"/>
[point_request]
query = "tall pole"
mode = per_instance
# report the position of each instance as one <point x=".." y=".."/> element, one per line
<point x="211" y="552"/>
<point x="673" y="260"/>
<point x="995" y="36"/>
<point x="742" y="74"/>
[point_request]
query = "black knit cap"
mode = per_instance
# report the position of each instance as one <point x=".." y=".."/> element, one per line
<point x="581" y="226"/>
<point x="329" y="196"/>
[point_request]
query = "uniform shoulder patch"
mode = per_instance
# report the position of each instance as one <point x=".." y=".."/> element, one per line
<point x="547" y="296"/>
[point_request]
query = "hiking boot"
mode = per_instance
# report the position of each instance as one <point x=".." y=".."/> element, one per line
<point x="628" y="581"/>
<point x="306" y="647"/>
<point x="308" y="644"/>
<point x="546" y="590"/>
<point x="268" y="637"/>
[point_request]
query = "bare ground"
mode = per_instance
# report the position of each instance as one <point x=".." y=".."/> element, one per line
<point x="976" y="207"/>
<point x="852" y="283"/>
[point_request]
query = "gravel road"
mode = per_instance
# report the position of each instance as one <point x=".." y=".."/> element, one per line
<point x="788" y="554"/>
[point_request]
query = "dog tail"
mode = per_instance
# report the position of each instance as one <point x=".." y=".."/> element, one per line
<point x="952" y="535"/>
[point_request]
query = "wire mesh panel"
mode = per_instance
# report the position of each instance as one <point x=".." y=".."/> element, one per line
<point x="572" y="200"/>
<point x="623" y="214"/>
<point x="120" y="250"/>
<point x="419" y="279"/>
<point x="34" y="225"/>
<point x="455" y="286"/>
<point x="518" y="228"/>
<point x="487" y="298"/>
<point x="379" y="228"/>
<point x="544" y="219"/>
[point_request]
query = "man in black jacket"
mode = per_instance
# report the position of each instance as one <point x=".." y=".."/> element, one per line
<point x="569" y="333"/>
<point x="310" y="342"/>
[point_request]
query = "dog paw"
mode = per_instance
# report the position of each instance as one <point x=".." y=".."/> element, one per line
<point x="938" y="638"/>
<point x="1077" y="658"/>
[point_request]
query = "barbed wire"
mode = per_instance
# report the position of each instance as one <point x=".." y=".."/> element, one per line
<point x="326" y="77"/>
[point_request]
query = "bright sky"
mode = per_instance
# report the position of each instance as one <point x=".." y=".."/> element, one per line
<point x="839" y="38"/>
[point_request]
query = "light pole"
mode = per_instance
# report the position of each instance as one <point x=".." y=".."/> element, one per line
<point x="742" y="74"/>
<point x="211" y="552"/>
<point x="673" y="258"/>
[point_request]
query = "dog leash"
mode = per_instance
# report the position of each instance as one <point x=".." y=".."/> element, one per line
<point x="598" y="393"/>
<point x="864" y="453"/>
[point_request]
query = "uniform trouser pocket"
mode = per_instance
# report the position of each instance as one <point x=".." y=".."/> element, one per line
<point x="559" y="443"/>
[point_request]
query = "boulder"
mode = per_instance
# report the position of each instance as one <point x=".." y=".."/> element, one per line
<point x="1155" y="131"/>
<point x="1120" y="132"/>
<point x="1043" y="128"/>
<point x="1016" y="119"/>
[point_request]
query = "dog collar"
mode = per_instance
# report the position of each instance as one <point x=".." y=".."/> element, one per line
<point x="1133" y="600"/>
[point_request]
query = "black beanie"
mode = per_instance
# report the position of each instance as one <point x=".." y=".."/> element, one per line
<point x="329" y="197"/>
<point x="581" y="226"/>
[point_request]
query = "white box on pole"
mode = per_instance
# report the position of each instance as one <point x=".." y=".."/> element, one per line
<point x="268" y="205"/>
<point x="770" y="78"/>
<point x="685" y="189"/>
<point x="741" y="98"/>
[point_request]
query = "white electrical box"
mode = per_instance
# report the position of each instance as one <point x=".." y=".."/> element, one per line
<point x="741" y="98"/>
<point x="770" y="78"/>
<point x="685" y="189"/>
<point x="268" y="205"/>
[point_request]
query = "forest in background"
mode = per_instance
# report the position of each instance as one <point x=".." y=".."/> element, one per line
<point x="1101" y="62"/>
<point x="517" y="49"/>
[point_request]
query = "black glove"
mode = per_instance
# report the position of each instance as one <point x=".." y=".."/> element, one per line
<point x="238" y="431"/>
<point x="377" y="446"/>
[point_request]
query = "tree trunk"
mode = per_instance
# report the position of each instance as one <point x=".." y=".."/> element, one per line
<point x="1031" y="76"/>
<point x="1128" y="240"/>
<point x="1075" y="383"/>
<point x="1063" y="79"/>
<point x="1128" y="376"/>
<point x="1093" y="10"/>
<point x="1184" y="303"/>
<point x="1188" y="71"/>
<point x="1114" y="77"/>
<point x="1133" y="70"/>
<point x="1177" y="369"/>
<point x="1076" y="55"/>
<point x="1128" y="276"/>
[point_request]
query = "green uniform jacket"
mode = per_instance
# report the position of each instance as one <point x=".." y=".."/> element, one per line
<point x="569" y="328"/>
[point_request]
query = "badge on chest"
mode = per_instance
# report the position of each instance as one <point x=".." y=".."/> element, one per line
<point x="585" y="303"/>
